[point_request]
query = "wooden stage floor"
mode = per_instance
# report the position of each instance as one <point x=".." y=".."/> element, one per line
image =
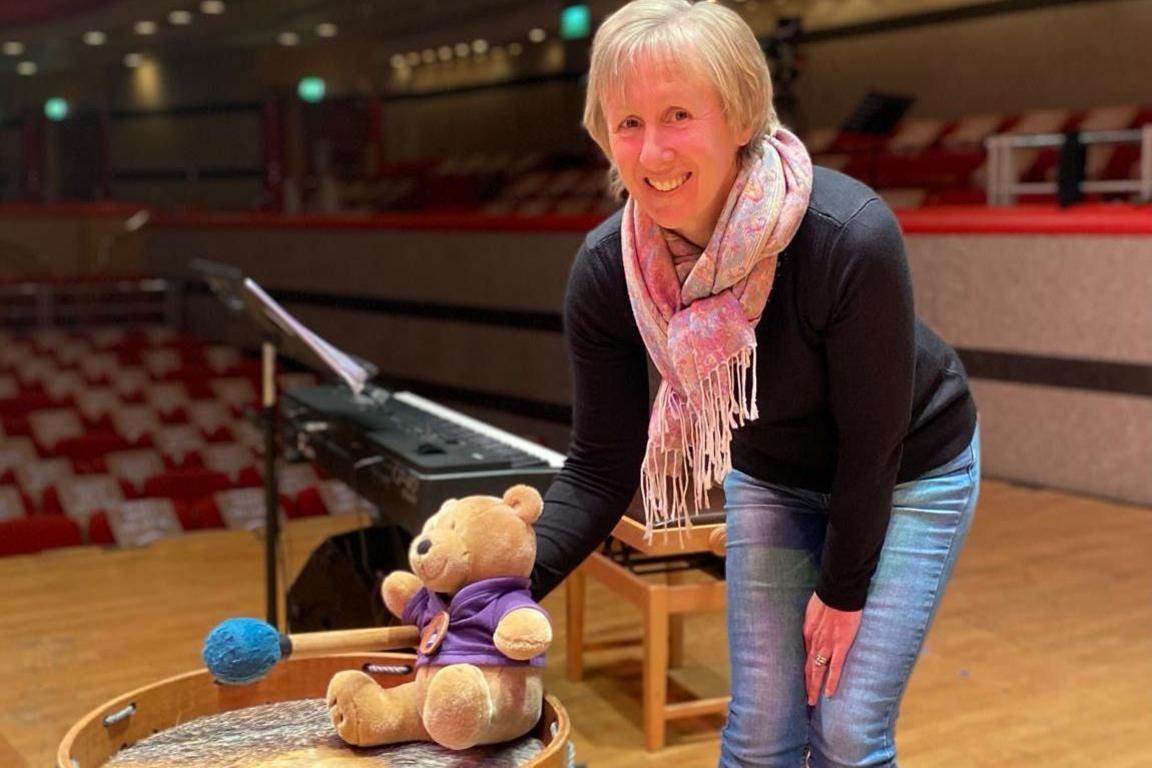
<point x="1041" y="655"/>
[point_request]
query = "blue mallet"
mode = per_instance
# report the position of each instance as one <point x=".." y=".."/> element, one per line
<point x="240" y="651"/>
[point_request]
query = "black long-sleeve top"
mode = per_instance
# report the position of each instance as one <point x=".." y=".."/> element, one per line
<point x="855" y="394"/>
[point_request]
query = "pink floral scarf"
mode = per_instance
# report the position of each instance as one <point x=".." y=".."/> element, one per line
<point x="699" y="325"/>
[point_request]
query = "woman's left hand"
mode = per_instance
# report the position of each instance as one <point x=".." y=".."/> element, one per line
<point x="828" y="634"/>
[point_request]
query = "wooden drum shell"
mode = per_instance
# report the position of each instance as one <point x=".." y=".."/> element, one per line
<point x="165" y="704"/>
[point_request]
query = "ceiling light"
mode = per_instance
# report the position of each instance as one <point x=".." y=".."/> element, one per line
<point x="145" y="27"/>
<point x="463" y="49"/>
<point x="288" y="39"/>
<point x="13" y="48"/>
<point x="180" y="18"/>
<point x="398" y="61"/>
<point x="27" y="68"/>
<point x="515" y="49"/>
<point x="133" y="60"/>
<point x="412" y="58"/>
<point x="212" y="7"/>
<point x="95" y="37"/>
<point x="444" y="52"/>
<point x="327" y="29"/>
<point x="480" y="46"/>
<point x="428" y="55"/>
<point x="537" y="35"/>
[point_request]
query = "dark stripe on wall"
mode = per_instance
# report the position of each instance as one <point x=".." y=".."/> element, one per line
<point x="187" y="174"/>
<point x="1064" y="373"/>
<point x="909" y="21"/>
<point x="561" y="77"/>
<point x="1019" y="368"/>
<point x="218" y="108"/>
<point x="505" y="318"/>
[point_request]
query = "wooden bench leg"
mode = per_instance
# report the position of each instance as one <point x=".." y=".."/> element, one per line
<point x="655" y="667"/>
<point x="675" y="627"/>
<point x="574" y="607"/>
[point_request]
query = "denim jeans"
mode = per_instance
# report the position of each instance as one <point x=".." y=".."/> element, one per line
<point x="775" y="540"/>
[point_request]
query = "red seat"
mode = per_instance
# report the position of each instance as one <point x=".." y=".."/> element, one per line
<point x="199" y="516"/>
<point x="29" y="535"/>
<point x="309" y="503"/>
<point x="99" y="529"/>
<point x="92" y="445"/>
<point x="186" y="484"/>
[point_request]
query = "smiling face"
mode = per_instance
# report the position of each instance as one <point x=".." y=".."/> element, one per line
<point x="673" y="147"/>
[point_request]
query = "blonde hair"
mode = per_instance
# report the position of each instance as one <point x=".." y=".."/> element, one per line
<point x="703" y="37"/>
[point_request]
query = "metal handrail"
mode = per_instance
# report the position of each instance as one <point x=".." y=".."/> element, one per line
<point x="1003" y="185"/>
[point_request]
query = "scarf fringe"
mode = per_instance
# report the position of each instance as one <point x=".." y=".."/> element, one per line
<point x="671" y="478"/>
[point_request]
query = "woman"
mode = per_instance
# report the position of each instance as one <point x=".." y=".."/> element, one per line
<point x="775" y="301"/>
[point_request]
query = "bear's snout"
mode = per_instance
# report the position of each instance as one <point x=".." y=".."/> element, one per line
<point x="423" y="546"/>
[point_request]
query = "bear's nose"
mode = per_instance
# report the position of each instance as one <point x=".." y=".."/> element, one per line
<point x="423" y="547"/>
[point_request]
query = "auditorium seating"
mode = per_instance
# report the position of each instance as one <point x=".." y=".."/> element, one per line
<point x="136" y="429"/>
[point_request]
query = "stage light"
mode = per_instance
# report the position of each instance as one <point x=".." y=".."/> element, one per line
<point x="13" y="48"/>
<point x="180" y="18"/>
<point x="327" y="29"/>
<point x="145" y="27"/>
<point x="537" y="35"/>
<point x="515" y="49"/>
<point x="444" y="52"/>
<point x="27" y="68"/>
<point x="311" y="89"/>
<point x="462" y="50"/>
<point x="398" y="61"/>
<point x="480" y="46"/>
<point x="56" y="109"/>
<point x="212" y="7"/>
<point x="288" y="39"/>
<point x="575" y="22"/>
<point x="133" y="60"/>
<point x="413" y="59"/>
<point x="95" y="37"/>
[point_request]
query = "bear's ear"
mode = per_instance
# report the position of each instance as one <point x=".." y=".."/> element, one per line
<point x="525" y="502"/>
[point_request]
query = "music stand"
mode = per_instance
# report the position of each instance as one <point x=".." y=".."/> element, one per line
<point x="278" y="330"/>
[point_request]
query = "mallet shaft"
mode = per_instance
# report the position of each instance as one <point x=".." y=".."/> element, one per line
<point x="352" y="640"/>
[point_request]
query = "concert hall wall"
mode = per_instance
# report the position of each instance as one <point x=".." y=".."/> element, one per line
<point x="1053" y="328"/>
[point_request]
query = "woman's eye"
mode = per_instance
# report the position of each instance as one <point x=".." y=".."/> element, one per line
<point x="630" y="122"/>
<point x="680" y="114"/>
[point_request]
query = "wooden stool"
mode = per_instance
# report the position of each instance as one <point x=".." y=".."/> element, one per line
<point x="663" y="606"/>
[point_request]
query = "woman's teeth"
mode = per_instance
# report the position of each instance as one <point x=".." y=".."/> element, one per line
<point x="669" y="185"/>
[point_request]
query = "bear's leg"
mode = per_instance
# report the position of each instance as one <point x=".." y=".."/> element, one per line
<point x="458" y="706"/>
<point x="365" y="714"/>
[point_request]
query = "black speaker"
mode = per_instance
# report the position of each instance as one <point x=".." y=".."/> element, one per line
<point x="339" y="586"/>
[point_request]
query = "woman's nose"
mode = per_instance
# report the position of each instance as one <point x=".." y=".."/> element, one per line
<point x="654" y="151"/>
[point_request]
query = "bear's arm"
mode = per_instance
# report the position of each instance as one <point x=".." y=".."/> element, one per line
<point x="523" y="633"/>
<point x="398" y="589"/>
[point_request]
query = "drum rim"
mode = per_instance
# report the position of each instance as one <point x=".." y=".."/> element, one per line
<point x="557" y="741"/>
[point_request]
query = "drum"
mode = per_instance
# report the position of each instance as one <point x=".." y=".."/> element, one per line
<point x="296" y="687"/>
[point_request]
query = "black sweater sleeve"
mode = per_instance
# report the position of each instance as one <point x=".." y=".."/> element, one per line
<point x="870" y="348"/>
<point x="609" y="420"/>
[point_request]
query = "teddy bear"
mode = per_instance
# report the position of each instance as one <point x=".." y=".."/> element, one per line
<point x="479" y="667"/>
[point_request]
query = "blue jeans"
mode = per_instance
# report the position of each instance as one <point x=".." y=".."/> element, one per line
<point x="775" y="541"/>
